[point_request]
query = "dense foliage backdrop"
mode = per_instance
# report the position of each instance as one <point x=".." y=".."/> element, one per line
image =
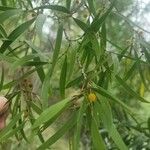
<point x="81" y="67"/>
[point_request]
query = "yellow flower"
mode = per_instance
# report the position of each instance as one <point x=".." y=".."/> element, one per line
<point x="92" y="97"/>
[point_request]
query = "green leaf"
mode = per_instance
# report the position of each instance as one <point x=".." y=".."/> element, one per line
<point x="2" y="79"/>
<point x="57" y="46"/>
<point x="117" y="139"/>
<point x="95" y="45"/>
<point x="15" y="34"/>
<point x="75" y="81"/>
<point x="66" y="127"/>
<point x="71" y="64"/>
<point x="10" y="125"/>
<point x="30" y="3"/>
<point x="148" y="124"/>
<point x="103" y="39"/>
<point x="36" y="50"/>
<point x="3" y="32"/>
<point x="77" y="130"/>
<point x="123" y="52"/>
<point x="107" y="119"/>
<point x="49" y="113"/>
<point x="12" y="132"/>
<point x="92" y="7"/>
<point x="35" y="107"/>
<point x="129" y="90"/>
<point x="54" y="7"/>
<point x="116" y="64"/>
<point x="34" y="63"/>
<point x="130" y="71"/>
<point x="62" y="81"/>
<point x="46" y="83"/>
<point x="96" y="136"/>
<point x="108" y="95"/>
<point x="22" y="61"/>
<point x="105" y="112"/>
<point x="97" y="22"/>
<point x="40" y="20"/>
<point x="140" y="69"/>
<point x="5" y="8"/>
<point x="81" y="24"/>
<point x="9" y="13"/>
<point x="68" y="4"/>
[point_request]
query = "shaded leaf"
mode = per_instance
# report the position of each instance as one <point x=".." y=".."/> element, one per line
<point x="2" y="79"/>
<point x="129" y="90"/>
<point x="62" y="81"/>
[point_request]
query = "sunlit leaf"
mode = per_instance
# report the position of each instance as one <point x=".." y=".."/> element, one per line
<point x="50" y="112"/>
<point x="68" y="125"/>
<point x="9" y="13"/>
<point x="15" y="34"/>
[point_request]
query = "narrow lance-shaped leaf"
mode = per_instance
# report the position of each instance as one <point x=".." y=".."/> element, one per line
<point x="96" y="136"/>
<point x="92" y="7"/>
<point x="67" y="126"/>
<point x="15" y="34"/>
<point x="97" y="22"/>
<point x="71" y="64"/>
<point x="2" y="79"/>
<point x="117" y="138"/>
<point x="30" y="3"/>
<point x="123" y="52"/>
<point x="107" y="119"/>
<point x="10" y="125"/>
<point x="77" y="129"/>
<point x="5" y="8"/>
<point x="12" y="132"/>
<point x="107" y="94"/>
<point x="103" y="39"/>
<point x="62" y="81"/>
<point x="46" y="83"/>
<point x="81" y="24"/>
<point x="130" y="91"/>
<point x="140" y="69"/>
<point x="2" y="31"/>
<point x="22" y="60"/>
<point x="68" y="4"/>
<point x="130" y="71"/>
<point x="9" y="13"/>
<point x="36" y="50"/>
<point x="54" y="7"/>
<point x="49" y="113"/>
<point x="95" y="46"/>
<point x="148" y="124"/>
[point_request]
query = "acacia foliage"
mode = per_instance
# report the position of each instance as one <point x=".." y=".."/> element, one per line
<point x="82" y="57"/>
